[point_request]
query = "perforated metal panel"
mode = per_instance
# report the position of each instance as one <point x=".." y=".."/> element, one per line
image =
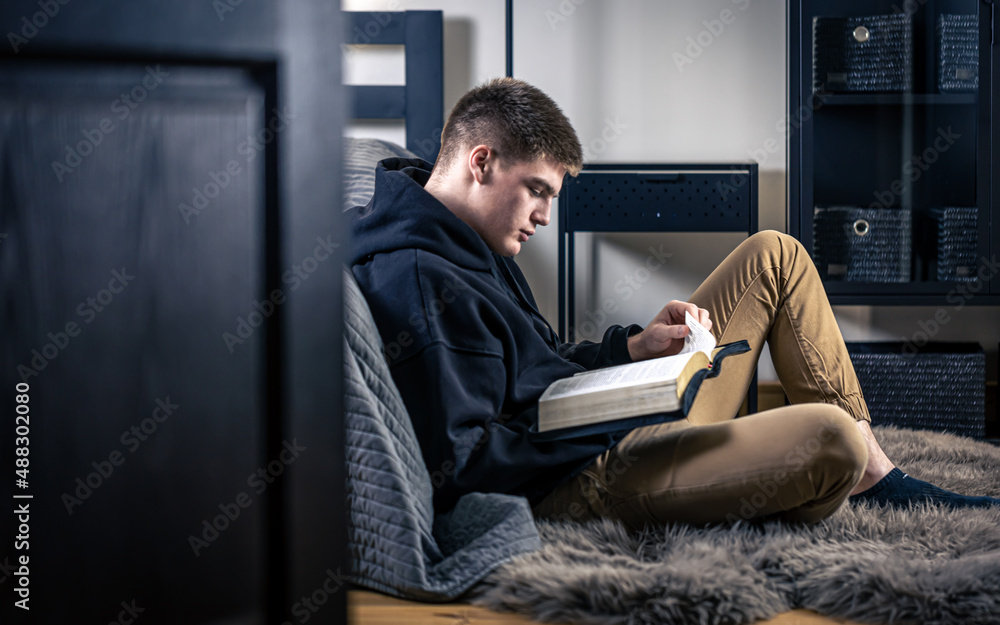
<point x="660" y="201"/>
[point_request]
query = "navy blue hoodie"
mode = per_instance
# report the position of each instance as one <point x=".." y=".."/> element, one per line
<point x="466" y="344"/>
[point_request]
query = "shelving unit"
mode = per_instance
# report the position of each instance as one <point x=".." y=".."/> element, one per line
<point x="912" y="151"/>
<point x="909" y="150"/>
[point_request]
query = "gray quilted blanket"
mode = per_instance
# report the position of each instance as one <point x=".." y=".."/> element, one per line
<point x="398" y="545"/>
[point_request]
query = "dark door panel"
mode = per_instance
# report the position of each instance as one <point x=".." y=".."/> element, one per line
<point x="161" y="166"/>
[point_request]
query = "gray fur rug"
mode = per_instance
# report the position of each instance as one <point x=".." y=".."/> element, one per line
<point x="924" y="565"/>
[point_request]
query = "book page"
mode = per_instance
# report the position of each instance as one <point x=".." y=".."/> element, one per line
<point x="699" y="339"/>
<point x="665" y="369"/>
<point x="648" y="371"/>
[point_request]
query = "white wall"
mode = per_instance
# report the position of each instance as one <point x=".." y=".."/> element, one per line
<point x="671" y="81"/>
<point x="637" y="68"/>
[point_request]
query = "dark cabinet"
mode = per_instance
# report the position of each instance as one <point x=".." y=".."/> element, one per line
<point x="892" y="156"/>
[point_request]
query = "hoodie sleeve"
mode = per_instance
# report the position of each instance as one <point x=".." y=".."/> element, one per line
<point x="462" y="394"/>
<point x="470" y="440"/>
<point x="612" y="350"/>
<point x="460" y="387"/>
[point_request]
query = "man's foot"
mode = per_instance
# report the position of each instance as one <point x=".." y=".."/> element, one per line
<point x="899" y="489"/>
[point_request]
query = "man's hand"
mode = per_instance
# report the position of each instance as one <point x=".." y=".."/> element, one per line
<point x="664" y="336"/>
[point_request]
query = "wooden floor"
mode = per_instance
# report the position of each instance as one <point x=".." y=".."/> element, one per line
<point x="369" y="608"/>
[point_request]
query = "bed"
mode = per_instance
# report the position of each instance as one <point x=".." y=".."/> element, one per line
<point x="419" y="102"/>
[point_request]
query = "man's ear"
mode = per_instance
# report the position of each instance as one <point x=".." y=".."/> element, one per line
<point x="481" y="162"/>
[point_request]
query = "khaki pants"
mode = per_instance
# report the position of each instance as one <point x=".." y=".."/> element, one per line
<point x="798" y="462"/>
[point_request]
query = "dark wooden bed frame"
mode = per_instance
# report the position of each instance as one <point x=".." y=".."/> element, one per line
<point x="420" y="102"/>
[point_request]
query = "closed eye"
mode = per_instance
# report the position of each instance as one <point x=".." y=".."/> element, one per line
<point x="540" y="188"/>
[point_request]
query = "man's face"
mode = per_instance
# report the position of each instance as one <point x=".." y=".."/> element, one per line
<point x="514" y="200"/>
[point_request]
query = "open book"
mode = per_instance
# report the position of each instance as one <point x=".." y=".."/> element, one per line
<point x="639" y="393"/>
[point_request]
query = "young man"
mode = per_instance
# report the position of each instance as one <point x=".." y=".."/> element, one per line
<point x="471" y="354"/>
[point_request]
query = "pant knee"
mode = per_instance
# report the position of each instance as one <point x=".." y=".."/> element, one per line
<point x="780" y="249"/>
<point x="778" y="243"/>
<point x="840" y="445"/>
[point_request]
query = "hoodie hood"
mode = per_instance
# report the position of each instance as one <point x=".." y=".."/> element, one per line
<point x="402" y="215"/>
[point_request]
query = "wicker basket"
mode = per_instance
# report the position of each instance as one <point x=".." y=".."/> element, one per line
<point x="863" y="54"/>
<point x="854" y="244"/>
<point x="956" y="241"/>
<point x="958" y="53"/>
<point x="939" y="386"/>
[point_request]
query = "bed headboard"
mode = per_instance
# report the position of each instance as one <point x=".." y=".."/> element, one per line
<point x="420" y="102"/>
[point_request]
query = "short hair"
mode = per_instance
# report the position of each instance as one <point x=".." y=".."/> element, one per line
<point x="516" y="120"/>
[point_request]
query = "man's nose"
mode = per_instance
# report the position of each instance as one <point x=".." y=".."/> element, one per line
<point x="542" y="217"/>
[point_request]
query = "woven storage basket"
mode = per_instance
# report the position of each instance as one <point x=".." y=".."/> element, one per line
<point x="862" y="244"/>
<point x="958" y="53"/>
<point x="956" y="240"/>
<point x="863" y="54"/>
<point x="939" y="386"/>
